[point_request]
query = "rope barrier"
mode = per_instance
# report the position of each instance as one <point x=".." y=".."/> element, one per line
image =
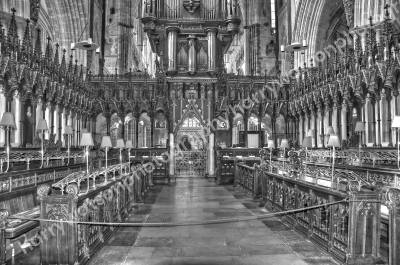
<point x="170" y="224"/>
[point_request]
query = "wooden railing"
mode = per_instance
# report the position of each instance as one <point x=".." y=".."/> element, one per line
<point x="247" y="179"/>
<point x="96" y="202"/>
<point x="107" y="203"/>
<point x="366" y="228"/>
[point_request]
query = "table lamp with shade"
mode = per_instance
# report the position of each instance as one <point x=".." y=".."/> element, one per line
<point x="106" y="144"/>
<point x="120" y="144"/>
<point x="42" y="127"/>
<point x="334" y="142"/>
<point x="7" y="123"/>
<point x="360" y="128"/>
<point x="329" y="131"/>
<point x="271" y="146"/>
<point x="68" y="133"/>
<point x="129" y="146"/>
<point x="87" y="142"/>
<point x="396" y="124"/>
<point x="284" y="145"/>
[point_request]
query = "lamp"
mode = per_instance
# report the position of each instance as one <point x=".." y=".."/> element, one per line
<point x="284" y="144"/>
<point x="360" y="128"/>
<point x="129" y="146"/>
<point x="7" y="123"/>
<point x="120" y="145"/>
<point x="106" y="144"/>
<point x="42" y="127"/>
<point x="396" y="124"/>
<point x="271" y="146"/>
<point x="87" y="142"/>
<point x="334" y="142"/>
<point x="68" y="132"/>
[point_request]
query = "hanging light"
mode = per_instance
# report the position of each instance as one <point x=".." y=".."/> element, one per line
<point x="87" y="45"/>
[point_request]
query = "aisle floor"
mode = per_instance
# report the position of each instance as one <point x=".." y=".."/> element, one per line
<point x="195" y="199"/>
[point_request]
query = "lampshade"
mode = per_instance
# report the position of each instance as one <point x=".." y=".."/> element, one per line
<point x="120" y="143"/>
<point x="307" y="142"/>
<point x="310" y="132"/>
<point x="359" y="127"/>
<point x="106" y="141"/>
<point x="86" y="139"/>
<point x="395" y="122"/>
<point x="42" y="125"/>
<point x="285" y="143"/>
<point x="8" y="120"/>
<point x="334" y="140"/>
<point x="329" y="130"/>
<point x="68" y="129"/>
<point x="128" y="144"/>
<point x="271" y="144"/>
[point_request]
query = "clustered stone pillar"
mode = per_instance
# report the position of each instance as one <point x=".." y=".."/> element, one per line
<point x="212" y="48"/>
<point x="344" y="121"/>
<point x="172" y="49"/>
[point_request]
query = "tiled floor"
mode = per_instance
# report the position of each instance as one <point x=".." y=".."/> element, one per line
<point x="248" y="242"/>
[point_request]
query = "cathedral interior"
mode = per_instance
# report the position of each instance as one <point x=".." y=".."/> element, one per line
<point x="199" y="132"/>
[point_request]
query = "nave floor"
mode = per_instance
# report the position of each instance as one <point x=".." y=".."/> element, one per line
<point x="194" y="199"/>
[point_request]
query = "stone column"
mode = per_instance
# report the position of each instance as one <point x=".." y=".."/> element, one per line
<point x="2" y="110"/>
<point x="171" y="155"/>
<point x="22" y="124"/>
<point x="39" y="109"/>
<point x="326" y="124"/>
<point x="93" y="125"/>
<point x="192" y="62"/>
<point x="246" y="50"/>
<point x="334" y="118"/>
<point x="344" y="121"/>
<point x="245" y="125"/>
<point x="137" y="118"/>
<point x="301" y="129"/>
<point x="378" y="107"/>
<point x="322" y="124"/>
<point x="152" y="121"/>
<point x="211" y="168"/>
<point x="18" y="121"/>
<point x="172" y="49"/>
<point x="315" y="127"/>
<point x="56" y="122"/>
<point x="212" y="48"/>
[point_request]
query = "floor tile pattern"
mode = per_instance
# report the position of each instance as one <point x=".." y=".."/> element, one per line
<point x="249" y="242"/>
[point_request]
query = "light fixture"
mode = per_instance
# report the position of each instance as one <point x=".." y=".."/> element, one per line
<point x="106" y="144"/>
<point x="396" y="124"/>
<point x="7" y="123"/>
<point x="284" y="145"/>
<point x="87" y="142"/>
<point x="42" y="127"/>
<point x="329" y="131"/>
<point x="129" y="146"/>
<point x="120" y="145"/>
<point x="296" y="46"/>
<point x="334" y="142"/>
<point x="73" y="46"/>
<point x="360" y="128"/>
<point x="87" y="45"/>
<point x="68" y="133"/>
<point x="271" y="146"/>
